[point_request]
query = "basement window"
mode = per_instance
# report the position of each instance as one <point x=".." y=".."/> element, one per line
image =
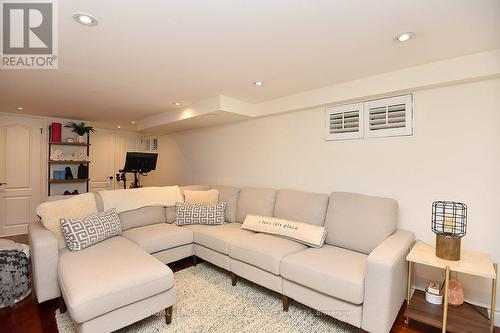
<point x="384" y="117"/>
<point x="149" y="144"/>
<point x="344" y="122"/>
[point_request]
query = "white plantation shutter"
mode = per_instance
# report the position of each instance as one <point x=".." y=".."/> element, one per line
<point x="150" y="144"/>
<point x="344" y="122"/>
<point x="154" y="144"/>
<point x="146" y="144"/>
<point x="391" y="116"/>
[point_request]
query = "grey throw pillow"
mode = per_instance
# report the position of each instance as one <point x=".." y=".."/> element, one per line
<point x="82" y="233"/>
<point x="198" y="213"/>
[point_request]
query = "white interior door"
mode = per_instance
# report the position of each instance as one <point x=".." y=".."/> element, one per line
<point x="102" y="160"/>
<point x="107" y="154"/>
<point x="20" y="172"/>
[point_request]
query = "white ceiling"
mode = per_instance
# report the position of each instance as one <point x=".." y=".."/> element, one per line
<point x="144" y="55"/>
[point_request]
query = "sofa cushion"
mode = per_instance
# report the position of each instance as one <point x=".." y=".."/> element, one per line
<point x="128" y="199"/>
<point x="255" y="201"/>
<point x="82" y="233"/>
<point x="158" y="237"/>
<point x="209" y="197"/>
<point x="330" y="270"/>
<point x="217" y="237"/>
<point x="229" y="195"/>
<point x="263" y="251"/>
<point x="301" y="206"/>
<point x="359" y="222"/>
<point x="142" y="216"/>
<point x="138" y="217"/>
<point x="109" y="275"/>
<point x="170" y="214"/>
<point x="194" y="188"/>
<point x="77" y="207"/>
<point x="98" y="201"/>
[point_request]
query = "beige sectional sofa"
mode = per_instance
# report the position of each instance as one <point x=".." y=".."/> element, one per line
<point x="358" y="276"/>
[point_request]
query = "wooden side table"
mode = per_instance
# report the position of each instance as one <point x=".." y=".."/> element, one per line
<point x="465" y="318"/>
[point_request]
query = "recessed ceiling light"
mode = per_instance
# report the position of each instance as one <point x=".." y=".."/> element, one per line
<point x="118" y="126"/>
<point x="177" y="103"/>
<point x="132" y="122"/>
<point x="19" y="108"/>
<point x="259" y="83"/>
<point x="404" y="36"/>
<point x="85" y="19"/>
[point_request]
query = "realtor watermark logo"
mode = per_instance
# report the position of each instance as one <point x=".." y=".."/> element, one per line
<point x="28" y="34"/>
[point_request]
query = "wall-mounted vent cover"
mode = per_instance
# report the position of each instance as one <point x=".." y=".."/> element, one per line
<point x="344" y="122"/>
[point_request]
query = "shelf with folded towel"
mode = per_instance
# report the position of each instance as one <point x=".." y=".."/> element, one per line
<point x="73" y="158"/>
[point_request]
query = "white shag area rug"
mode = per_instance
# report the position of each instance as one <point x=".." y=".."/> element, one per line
<point x="206" y="302"/>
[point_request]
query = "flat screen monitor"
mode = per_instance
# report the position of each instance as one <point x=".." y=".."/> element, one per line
<point x="140" y="162"/>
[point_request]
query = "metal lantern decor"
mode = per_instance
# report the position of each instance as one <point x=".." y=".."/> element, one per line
<point x="449" y="223"/>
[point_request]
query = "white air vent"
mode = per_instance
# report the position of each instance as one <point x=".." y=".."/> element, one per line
<point x="344" y="122"/>
<point x="149" y="144"/>
<point x="389" y="117"/>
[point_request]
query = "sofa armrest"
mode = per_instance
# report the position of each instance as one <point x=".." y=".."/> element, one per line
<point x="44" y="260"/>
<point x="385" y="282"/>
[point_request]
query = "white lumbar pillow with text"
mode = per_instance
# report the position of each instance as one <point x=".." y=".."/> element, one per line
<point x="305" y="233"/>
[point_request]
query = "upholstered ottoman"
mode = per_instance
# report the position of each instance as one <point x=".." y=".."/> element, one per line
<point x="113" y="284"/>
<point x="15" y="282"/>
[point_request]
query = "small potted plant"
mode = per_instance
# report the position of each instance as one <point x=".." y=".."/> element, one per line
<point x="81" y="129"/>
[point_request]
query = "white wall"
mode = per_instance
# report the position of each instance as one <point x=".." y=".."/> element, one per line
<point x="454" y="155"/>
<point x="172" y="166"/>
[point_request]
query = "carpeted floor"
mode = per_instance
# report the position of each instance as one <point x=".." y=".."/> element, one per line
<point x="206" y="302"/>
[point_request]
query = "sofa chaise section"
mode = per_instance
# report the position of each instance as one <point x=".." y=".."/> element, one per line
<point x="99" y="283"/>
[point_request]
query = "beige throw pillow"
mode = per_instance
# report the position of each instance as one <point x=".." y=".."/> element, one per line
<point x="77" y="207"/>
<point x="305" y="233"/>
<point x="210" y="197"/>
